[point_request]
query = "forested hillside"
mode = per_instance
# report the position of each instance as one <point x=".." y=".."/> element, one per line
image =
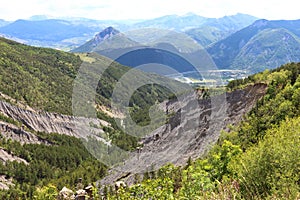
<point x="262" y="45"/>
<point x="40" y="77"/>
<point x="257" y="159"/>
<point x="61" y="161"/>
<point x="43" y="79"/>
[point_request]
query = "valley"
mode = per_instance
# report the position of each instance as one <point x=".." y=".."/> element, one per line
<point x="193" y="78"/>
<point x="175" y="107"/>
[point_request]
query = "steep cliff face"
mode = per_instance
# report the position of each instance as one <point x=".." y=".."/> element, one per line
<point x="79" y="127"/>
<point x="181" y="139"/>
<point x="21" y="123"/>
<point x="10" y="131"/>
<point x="6" y="156"/>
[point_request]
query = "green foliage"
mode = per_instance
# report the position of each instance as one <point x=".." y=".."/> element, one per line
<point x="199" y="179"/>
<point x="48" y="192"/>
<point x="258" y="159"/>
<point x="288" y="72"/>
<point x="267" y="49"/>
<point x="40" y="77"/>
<point x="273" y="166"/>
<point x="61" y="163"/>
<point x="219" y="158"/>
<point x="43" y="78"/>
<point x="258" y="47"/>
<point x="282" y="94"/>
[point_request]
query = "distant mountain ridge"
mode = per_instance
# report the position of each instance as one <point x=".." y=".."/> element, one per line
<point x="219" y="28"/>
<point x="54" y="33"/>
<point x="190" y="21"/>
<point x="262" y="45"/>
<point x="174" y="22"/>
<point x="169" y="49"/>
<point x="67" y="33"/>
<point x="234" y="42"/>
<point x="48" y="30"/>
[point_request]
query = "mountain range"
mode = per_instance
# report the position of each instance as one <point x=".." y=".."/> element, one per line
<point x="259" y="46"/>
<point x="262" y="45"/>
<point x="161" y="50"/>
<point x="238" y="42"/>
<point x="70" y="32"/>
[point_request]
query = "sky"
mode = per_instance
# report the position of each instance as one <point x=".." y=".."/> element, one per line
<point x="146" y="9"/>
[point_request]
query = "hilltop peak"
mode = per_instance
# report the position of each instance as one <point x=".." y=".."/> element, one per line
<point x="260" y="23"/>
<point x="108" y="38"/>
<point x="105" y="34"/>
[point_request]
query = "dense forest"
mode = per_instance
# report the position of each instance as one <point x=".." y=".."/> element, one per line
<point x="43" y="78"/>
<point x="62" y="163"/>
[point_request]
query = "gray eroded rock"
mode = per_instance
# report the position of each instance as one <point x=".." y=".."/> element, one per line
<point x="79" y="127"/>
<point x="6" y="156"/>
<point x="10" y="131"/>
<point x="190" y="132"/>
<point x="5" y="183"/>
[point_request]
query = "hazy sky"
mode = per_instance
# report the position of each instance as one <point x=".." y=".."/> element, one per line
<point x="144" y="9"/>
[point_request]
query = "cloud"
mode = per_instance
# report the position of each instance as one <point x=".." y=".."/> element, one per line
<point x="143" y="9"/>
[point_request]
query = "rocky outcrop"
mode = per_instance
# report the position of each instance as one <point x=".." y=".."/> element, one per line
<point x="105" y="34"/>
<point x="191" y="132"/>
<point x="5" y="183"/>
<point x="10" y="131"/>
<point x="5" y="156"/>
<point x="79" y="127"/>
<point x="66" y="194"/>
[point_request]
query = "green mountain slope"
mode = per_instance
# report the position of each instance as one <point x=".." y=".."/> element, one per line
<point x="40" y="77"/>
<point x="216" y="29"/>
<point x="257" y="159"/>
<point x="270" y="47"/>
<point x="43" y="78"/>
<point x="232" y="52"/>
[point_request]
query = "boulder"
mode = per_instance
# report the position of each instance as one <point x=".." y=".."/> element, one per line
<point x="66" y="194"/>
